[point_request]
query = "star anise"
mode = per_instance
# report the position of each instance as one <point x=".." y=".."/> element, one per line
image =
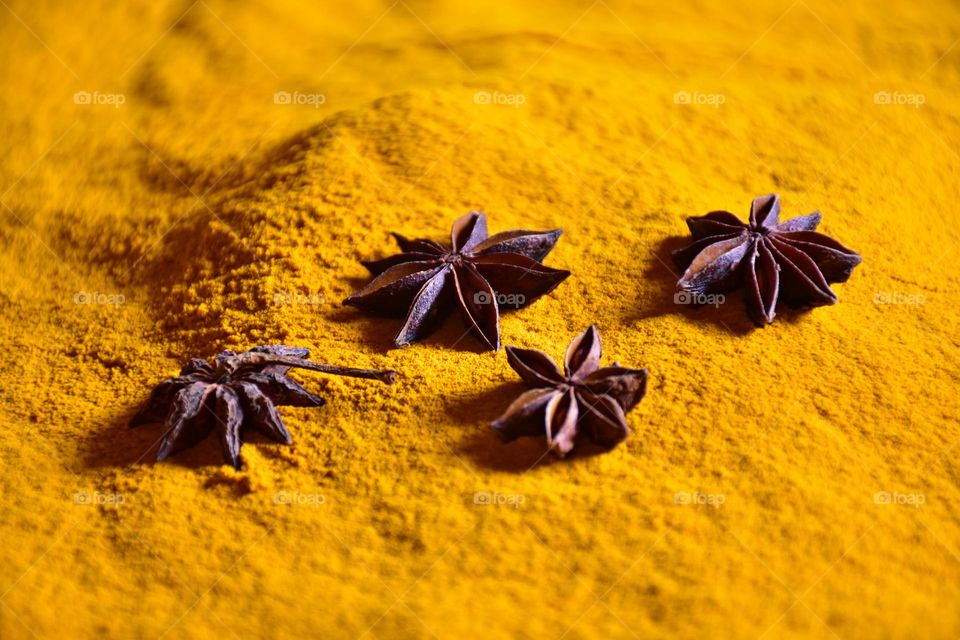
<point x="582" y="395"/>
<point x="774" y="261"/>
<point x="479" y="274"/>
<point x="236" y="392"/>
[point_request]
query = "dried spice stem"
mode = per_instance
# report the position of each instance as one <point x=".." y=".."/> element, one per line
<point x="243" y="360"/>
<point x="387" y="376"/>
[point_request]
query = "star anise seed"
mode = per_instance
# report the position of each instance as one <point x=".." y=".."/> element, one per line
<point x="236" y="392"/>
<point x="583" y="395"/>
<point x="477" y="273"/>
<point x="775" y="261"/>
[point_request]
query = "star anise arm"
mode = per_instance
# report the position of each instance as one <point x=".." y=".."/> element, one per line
<point x="532" y="244"/>
<point x="516" y="275"/>
<point x="583" y="354"/>
<point x="260" y="414"/>
<point x="376" y="267"/>
<point x="283" y="391"/>
<point x="418" y="245"/>
<point x="561" y="422"/>
<point x="525" y="415"/>
<point x="229" y="416"/>
<point x="603" y="419"/>
<point x="715" y="223"/>
<point x="478" y="302"/>
<point x="626" y="386"/>
<point x="196" y="365"/>
<point x="835" y="261"/>
<point x="808" y="222"/>
<point x="685" y="256"/>
<point x="468" y="231"/>
<point x="716" y="267"/>
<point x="765" y="212"/>
<point x="189" y="421"/>
<point x="426" y="309"/>
<point x="393" y="290"/>
<point x="801" y="282"/>
<point x="158" y="404"/>
<point x="535" y="367"/>
<point x="763" y="284"/>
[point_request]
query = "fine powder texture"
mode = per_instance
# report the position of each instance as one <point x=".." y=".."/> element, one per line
<point x="177" y="179"/>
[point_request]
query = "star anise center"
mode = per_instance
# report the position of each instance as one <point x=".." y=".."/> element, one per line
<point x="475" y="273"/>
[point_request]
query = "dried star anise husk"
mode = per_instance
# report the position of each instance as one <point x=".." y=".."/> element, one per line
<point x="236" y="392"/>
<point x="583" y="395"/>
<point x="774" y="261"/>
<point x="479" y="274"/>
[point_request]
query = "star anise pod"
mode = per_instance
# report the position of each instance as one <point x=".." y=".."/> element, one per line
<point x="774" y="261"/>
<point x="583" y="395"/>
<point x="479" y="274"/>
<point x="236" y="392"/>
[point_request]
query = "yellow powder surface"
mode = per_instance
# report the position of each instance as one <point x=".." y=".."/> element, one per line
<point x="795" y="481"/>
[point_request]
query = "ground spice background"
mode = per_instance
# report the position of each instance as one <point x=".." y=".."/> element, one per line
<point x="200" y="215"/>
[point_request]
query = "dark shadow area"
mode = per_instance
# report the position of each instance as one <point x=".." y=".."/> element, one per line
<point x="661" y="269"/>
<point x="120" y="445"/>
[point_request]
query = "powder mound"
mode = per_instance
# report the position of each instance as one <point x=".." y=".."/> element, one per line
<point x="227" y="272"/>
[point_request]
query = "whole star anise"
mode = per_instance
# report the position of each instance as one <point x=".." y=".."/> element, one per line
<point x="775" y="261"/>
<point x="583" y="394"/>
<point x="236" y="392"/>
<point x="477" y="273"/>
